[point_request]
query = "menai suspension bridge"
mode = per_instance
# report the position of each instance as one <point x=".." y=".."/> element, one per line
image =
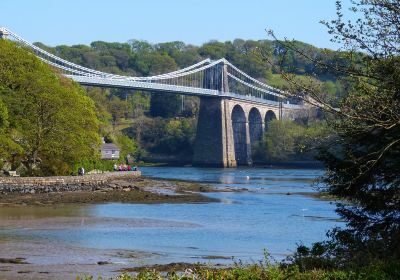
<point x="217" y="78"/>
<point x="235" y="108"/>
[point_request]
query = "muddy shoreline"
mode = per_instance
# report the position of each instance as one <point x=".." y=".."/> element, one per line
<point x="37" y="258"/>
<point x="16" y="261"/>
<point x="128" y="190"/>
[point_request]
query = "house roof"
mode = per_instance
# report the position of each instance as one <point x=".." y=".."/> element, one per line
<point x="109" y="147"/>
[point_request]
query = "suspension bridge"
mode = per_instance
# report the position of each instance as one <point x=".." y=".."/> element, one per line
<point x="235" y="108"/>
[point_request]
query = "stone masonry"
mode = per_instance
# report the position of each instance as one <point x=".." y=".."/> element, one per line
<point x="61" y="183"/>
<point x="216" y="139"/>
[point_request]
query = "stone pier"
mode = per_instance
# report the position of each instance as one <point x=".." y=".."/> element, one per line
<point x="227" y="128"/>
<point x="214" y="139"/>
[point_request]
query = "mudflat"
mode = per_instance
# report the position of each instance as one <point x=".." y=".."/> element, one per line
<point x="132" y="190"/>
<point x="17" y="262"/>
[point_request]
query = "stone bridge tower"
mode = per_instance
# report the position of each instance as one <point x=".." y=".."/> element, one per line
<point x="228" y="127"/>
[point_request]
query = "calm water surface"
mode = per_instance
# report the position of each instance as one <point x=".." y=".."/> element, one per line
<point x="245" y="223"/>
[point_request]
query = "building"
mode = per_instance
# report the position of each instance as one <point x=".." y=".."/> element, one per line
<point x="109" y="151"/>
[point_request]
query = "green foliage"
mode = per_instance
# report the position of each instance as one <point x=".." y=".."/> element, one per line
<point x="163" y="136"/>
<point x="280" y="139"/>
<point x="268" y="271"/>
<point x="165" y="105"/>
<point x="93" y="164"/>
<point x="178" y="134"/>
<point x="140" y="58"/>
<point x="52" y="123"/>
<point x="100" y="98"/>
<point x="286" y="140"/>
<point x="362" y="160"/>
<point x="139" y="104"/>
<point x="3" y="116"/>
<point x="128" y="146"/>
<point x="366" y="170"/>
<point x="116" y="108"/>
<point x="213" y="50"/>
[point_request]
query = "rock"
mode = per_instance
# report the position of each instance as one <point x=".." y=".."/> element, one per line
<point x="103" y="262"/>
<point x="126" y="189"/>
<point x="13" y="261"/>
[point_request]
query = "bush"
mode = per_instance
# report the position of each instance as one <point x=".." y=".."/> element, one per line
<point x="286" y="140"/>
<point x="268" y="271"/>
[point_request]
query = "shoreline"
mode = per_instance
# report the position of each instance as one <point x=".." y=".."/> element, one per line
<point x="139" y="190"/>
<point x="17" y="263"/>
<point x="123" y="188"/>
<point x="306" y="164"/>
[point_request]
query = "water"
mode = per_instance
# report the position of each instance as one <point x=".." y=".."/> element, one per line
<point x="261" y="217"/>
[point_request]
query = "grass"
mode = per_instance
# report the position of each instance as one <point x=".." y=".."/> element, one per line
<point x="265" y="271"/>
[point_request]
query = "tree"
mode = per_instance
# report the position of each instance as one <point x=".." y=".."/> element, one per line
<point x="287" y="140"/>
<point x="117" y="108"/>
<point x="363" y="159"/>
<point x="280" y="139"/>
<point x="3" y="116"/>
<point x="166" y="105"/>
<point x="127" y="146"/>
<point x="8" y="148"/>
<point x="50" y="118"/>
<point x="213" y="50"/>
<point x="366" y="172"/>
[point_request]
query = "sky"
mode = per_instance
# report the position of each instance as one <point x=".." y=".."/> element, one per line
<point x="56" y="22"/>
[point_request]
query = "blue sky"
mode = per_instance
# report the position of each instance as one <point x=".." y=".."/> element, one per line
<point x="56" y="22"/>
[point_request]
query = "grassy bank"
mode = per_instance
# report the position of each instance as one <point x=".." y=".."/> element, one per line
<point x="267" y="271"/>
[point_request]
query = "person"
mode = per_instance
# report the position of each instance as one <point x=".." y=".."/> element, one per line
<point x="129" y="168"/>
<point x="81" y="171"/>
<point x="115" y="167"/>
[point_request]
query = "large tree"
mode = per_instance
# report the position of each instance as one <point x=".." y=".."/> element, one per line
<point x="49" y="117"/>
<point x="363" y="158"/>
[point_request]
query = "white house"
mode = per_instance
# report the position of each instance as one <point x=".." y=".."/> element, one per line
<point x="109" y="151"/>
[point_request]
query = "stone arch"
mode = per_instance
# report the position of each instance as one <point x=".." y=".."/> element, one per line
<point x="255" y="125"/>
<point x="239" y="134"/>
<point x="269" y="116"/>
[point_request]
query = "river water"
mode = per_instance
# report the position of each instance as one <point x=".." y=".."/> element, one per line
<point x="261" y="216"/>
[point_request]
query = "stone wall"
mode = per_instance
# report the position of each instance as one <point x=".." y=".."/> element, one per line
<point x="61" y="183"/>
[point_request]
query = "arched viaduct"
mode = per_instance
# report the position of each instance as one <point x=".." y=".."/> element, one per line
<point x="227" y="128"/>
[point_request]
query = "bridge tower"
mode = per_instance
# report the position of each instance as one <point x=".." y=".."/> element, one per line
<point x="215" y="144"/>
<point x="3" y="33"/>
